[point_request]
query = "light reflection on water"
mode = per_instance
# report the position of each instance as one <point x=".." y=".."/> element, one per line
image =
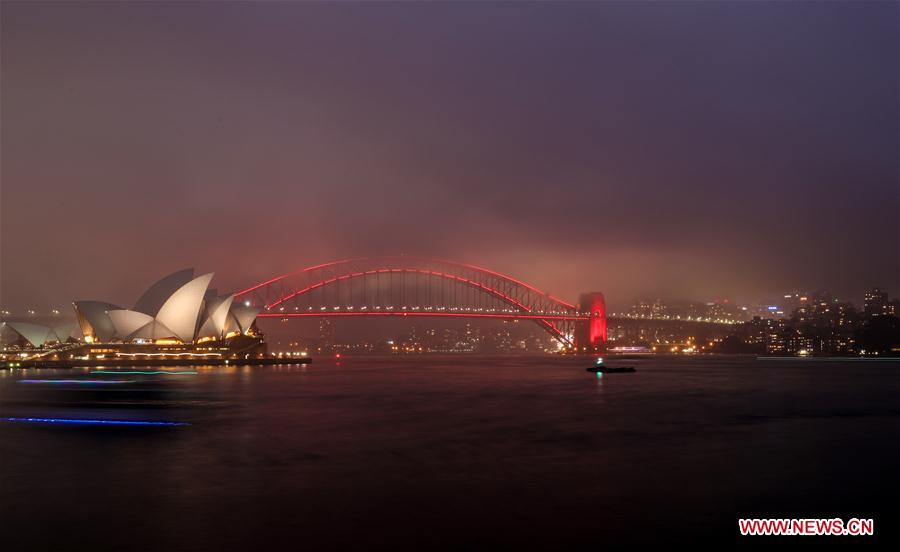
<point x="447" y="451"/>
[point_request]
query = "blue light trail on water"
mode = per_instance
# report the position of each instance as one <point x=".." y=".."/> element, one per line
<point x="89" y="421"/>
<point x="79" y="382"/>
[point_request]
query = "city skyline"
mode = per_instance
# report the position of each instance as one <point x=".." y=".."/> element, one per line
<point x="448" y="275"/>
<point x="695" y="151"/>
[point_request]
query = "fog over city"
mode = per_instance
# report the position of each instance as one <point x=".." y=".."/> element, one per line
<point x="449" y="275"/>
<point x="690" y="151"/>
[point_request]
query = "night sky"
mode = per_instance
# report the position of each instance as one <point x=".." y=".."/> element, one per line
<point x="688" y="150"/>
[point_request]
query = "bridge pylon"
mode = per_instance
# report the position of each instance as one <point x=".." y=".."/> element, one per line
<point x="409" y="286"/>
<point x="590" y="334"/>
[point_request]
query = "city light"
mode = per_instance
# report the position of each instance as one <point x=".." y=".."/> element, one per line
<point x="91" y="421"/>
<point x="337" y="275"/>
<point x="146" y="372"/>
<point x="74" y="381"/>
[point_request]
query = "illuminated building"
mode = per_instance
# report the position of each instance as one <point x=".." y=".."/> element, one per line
<point x="178" y="316"/>
<point x="593" y="334"/>
<point x="95" y="323"/>
<point x="649" y="308"/>
<point x="326" y="335"/>
<point x="34" y="335"/>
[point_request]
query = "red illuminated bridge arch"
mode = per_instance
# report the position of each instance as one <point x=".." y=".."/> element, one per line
<point x="417" y="286"/>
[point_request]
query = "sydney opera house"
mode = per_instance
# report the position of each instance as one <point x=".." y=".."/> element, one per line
<point x="179" y="315"/>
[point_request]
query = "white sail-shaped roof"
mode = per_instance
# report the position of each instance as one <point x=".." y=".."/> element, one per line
<point x="63" y="331"/>
<point x="156" y="295"/>
<point x="35" y="334"/>
<point x="7" y="334"/>
<point x="245" y="316"/>
<point x="152" y="330"/>
<point x="127" y="322"/>
<point x="217" y="316"/>
<point x="93" y="319"/>
<point x="181" y="310"/>
<point x="231" y="324"/>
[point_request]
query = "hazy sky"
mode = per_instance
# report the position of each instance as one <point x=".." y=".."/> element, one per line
<point x="701" y="150"/>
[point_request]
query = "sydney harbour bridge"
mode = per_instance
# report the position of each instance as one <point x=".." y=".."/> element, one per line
<point x="405" y="286"/>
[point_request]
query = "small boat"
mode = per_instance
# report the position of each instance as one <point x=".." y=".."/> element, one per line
<point x="611" y="369"/>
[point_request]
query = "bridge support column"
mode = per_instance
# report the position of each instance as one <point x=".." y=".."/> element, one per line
<point x="590" y="335"/>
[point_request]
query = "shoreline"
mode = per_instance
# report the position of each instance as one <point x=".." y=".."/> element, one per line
<point x="82" y="363"/>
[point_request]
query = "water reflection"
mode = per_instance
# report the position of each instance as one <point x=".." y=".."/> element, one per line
<point x="93" y="422"/>
<point x="442" y="451"/>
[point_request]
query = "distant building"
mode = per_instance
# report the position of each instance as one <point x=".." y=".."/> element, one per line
<point x="178" y="316"/>
<point x="875" y="303"/>
<point x="649" y="308"/>
<point x="893" y="308"/>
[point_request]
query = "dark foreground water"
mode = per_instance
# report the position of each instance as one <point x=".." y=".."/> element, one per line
<point x="448" y="452"/>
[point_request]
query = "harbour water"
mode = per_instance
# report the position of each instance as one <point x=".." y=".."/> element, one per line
<point x="447" y="452"/>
